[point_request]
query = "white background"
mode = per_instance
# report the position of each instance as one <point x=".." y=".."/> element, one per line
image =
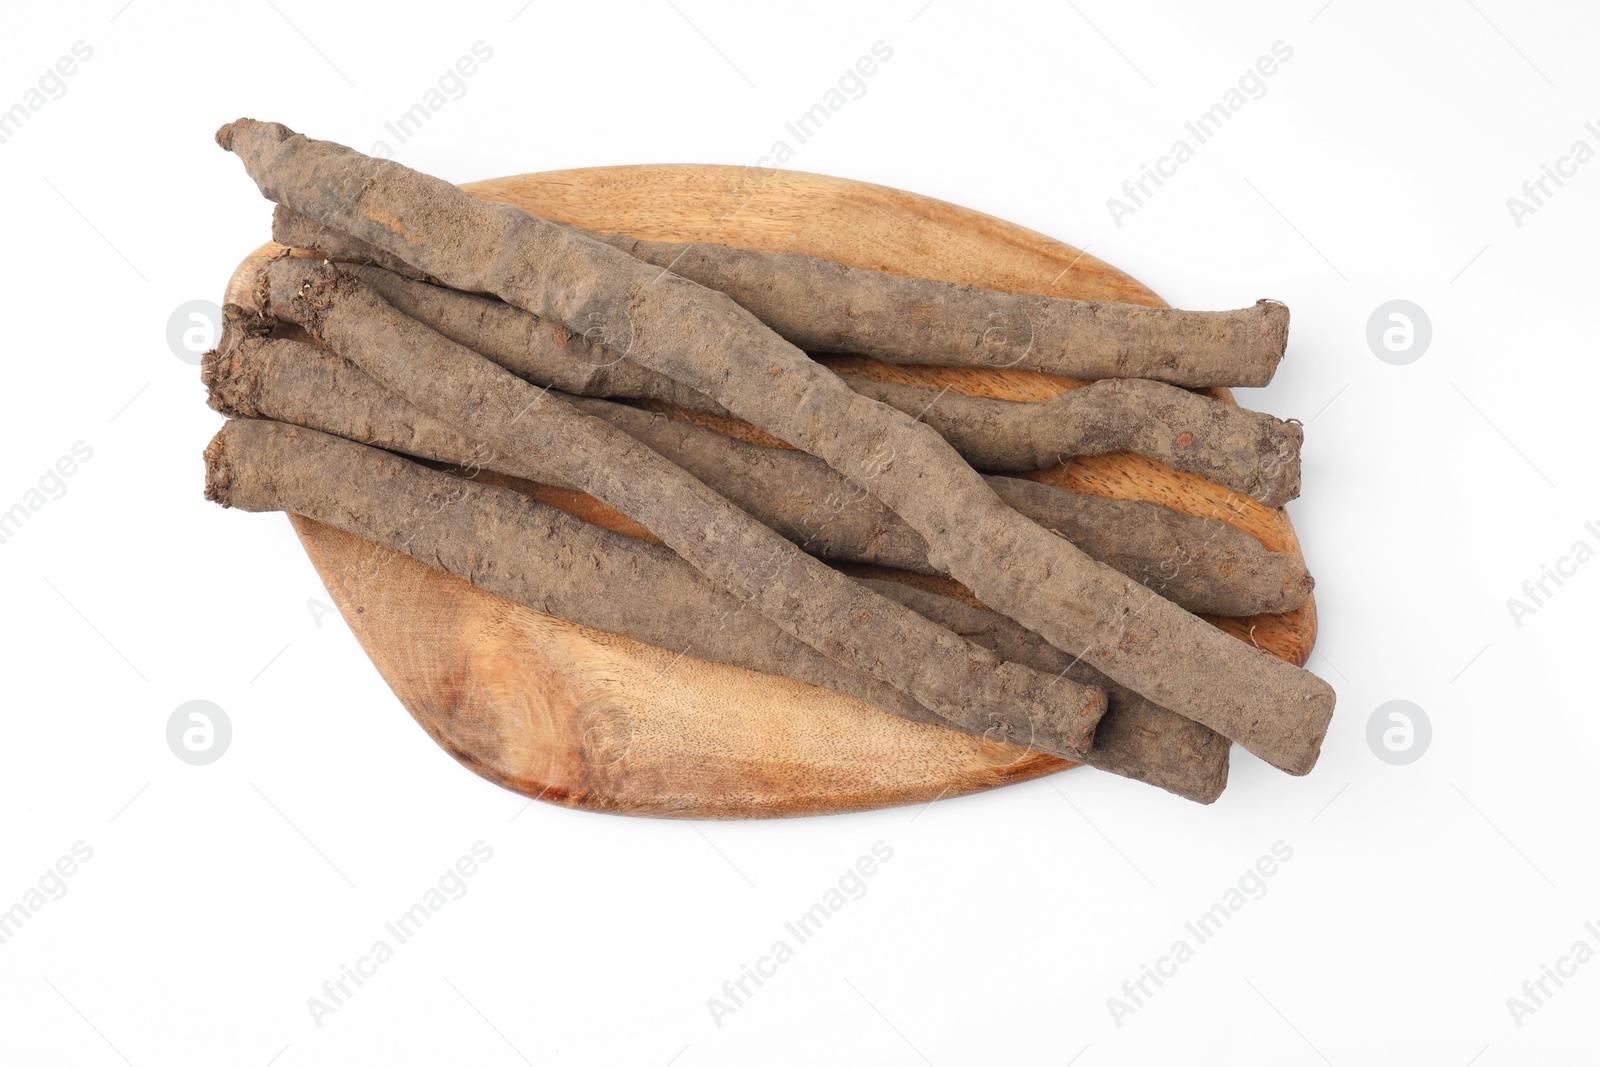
<point x="1376" y="166"/>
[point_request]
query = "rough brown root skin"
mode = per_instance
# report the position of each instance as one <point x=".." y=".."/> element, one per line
<point x="706" y="341"/>
<point x="509" y="545"/>
<point x="1204" y="564"/>
<point x="294" y="230"/>
<point x="257" y="377"/>
<point x="1247" y="451"/>
<point x="824" y="306"/>
<point x="1137" y="738"/>
<point x="544" y="353"/>
<point x="952" y="677"/>
<point x="1243" y="450"/>
<point x="1239" y="449"/>
<point x="514" y="547"/>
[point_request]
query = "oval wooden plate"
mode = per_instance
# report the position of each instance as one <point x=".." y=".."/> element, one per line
<point x="591" y="720"/>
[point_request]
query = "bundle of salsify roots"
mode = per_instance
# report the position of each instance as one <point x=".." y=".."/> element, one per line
<point x="454" y="340"/>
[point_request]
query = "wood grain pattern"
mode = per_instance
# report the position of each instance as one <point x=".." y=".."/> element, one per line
<point x="586" y="719"/>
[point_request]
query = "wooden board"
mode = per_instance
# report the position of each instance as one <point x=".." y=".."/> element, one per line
<point x="591" y="720"/>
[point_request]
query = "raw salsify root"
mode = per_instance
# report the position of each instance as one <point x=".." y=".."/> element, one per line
<point x="706" y="341"/>
<point x="1239" y="449"/>
<point x="1247" y="451"/>
<point x="514" y="547"/>
<point x="1136" y="739"/>
<point x="824" y="306"/>
<point x="1205" y="565"/>
<point x="956" y="679"/>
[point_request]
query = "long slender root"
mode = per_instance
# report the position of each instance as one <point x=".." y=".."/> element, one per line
<point x="1247" y="451"/>
<point x="824" y="306"/>
<point x="1243" y="450"/>
<point x="953" y="677"/>
<point x="706" y="341"/>
<point x="1205" y="565"/>
<point x="534" y="555"/>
